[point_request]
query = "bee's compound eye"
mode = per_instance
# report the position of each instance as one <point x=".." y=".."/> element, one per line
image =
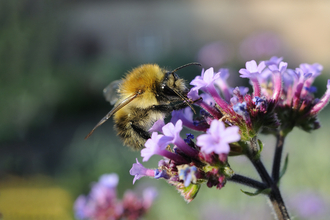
<point x="168" y="91"/>
<point x="176" y="77"/>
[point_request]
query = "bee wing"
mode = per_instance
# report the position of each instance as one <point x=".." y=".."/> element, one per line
<point x="113" y="111"/>
<point x="111" y="92"/>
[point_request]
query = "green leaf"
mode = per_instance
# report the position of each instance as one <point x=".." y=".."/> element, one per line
<point x="261" y="146"/>
<point x="285" y="166"/>
<point x="189" y="192"/>
<point x="263" y="191"/>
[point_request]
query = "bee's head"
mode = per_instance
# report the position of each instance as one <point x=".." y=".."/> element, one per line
<point x="174" y="87"/>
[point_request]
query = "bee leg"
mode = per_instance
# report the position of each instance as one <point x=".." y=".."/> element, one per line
<point x="168" y="108"/>
<point x="162" y="108"/>
<point x="180" y="106"/>
<point x="142" y="133"/>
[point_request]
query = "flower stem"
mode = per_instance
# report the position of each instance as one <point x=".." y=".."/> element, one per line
<point x="278" y="205"/>
<point x="278" y="156"/>
<point x="275" y="194"/>
<point x="236" y="178"/>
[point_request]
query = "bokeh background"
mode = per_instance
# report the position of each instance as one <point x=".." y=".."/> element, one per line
<point x="57" y="56"/>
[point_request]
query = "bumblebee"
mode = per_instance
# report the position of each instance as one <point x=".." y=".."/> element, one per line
<point x="146" y="94"/>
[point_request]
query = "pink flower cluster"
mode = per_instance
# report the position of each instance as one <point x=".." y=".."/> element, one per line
<point x="102" y="202"/>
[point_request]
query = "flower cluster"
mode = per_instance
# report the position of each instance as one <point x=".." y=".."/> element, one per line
<point x="229" y="122"/>
<point x="187" y="164"/>
<point x="102" y="202"/>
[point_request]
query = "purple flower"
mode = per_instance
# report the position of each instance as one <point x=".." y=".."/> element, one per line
<point x="252" y="70"/>
<point x="314" y="70"/>
<point x="242" y="90"/>
<point x="207" y="103"/>
<point x="152" y="147"/>
<point x="172" y="133"/>
<point x="208" y="99"/>
<point x="186" y="116"/>
<point x="205" y="82"/>
<point x="138" y="171"/>
<point x="171" y="130"/>
<point x="193" y="94"/>
<point x="157" y="126"/>
<point x="281" y="67"/>
<point x="161" y="173"/>
<point x="273" y="61"/>
<point x="234" y="100"/>
<point x="207" y="79"/>
<point x="278" y="71"/>
<point x="155" y="146"/>
<point x="217" y="138"/>
<point x="299" y="79"/>
<point x="322" y="102"/>
<point x="222" y="83"/>
<point x="172" y="136"/>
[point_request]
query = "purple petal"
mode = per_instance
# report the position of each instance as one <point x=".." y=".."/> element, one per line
<point x="152" y="147"/>
<point x="157" y="126"/>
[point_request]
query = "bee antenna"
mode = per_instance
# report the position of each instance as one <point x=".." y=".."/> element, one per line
<point x="188" y="64"/>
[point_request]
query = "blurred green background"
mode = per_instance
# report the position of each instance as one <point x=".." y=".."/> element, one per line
<point x="57" y="56"/>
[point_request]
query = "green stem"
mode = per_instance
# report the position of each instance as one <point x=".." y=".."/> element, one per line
<point x="275" y="194"/>
<point x="247" y="181"/>
<point x="278" y="157"/>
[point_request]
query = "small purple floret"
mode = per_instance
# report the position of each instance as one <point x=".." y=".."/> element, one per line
<point x="217" y="138"/>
